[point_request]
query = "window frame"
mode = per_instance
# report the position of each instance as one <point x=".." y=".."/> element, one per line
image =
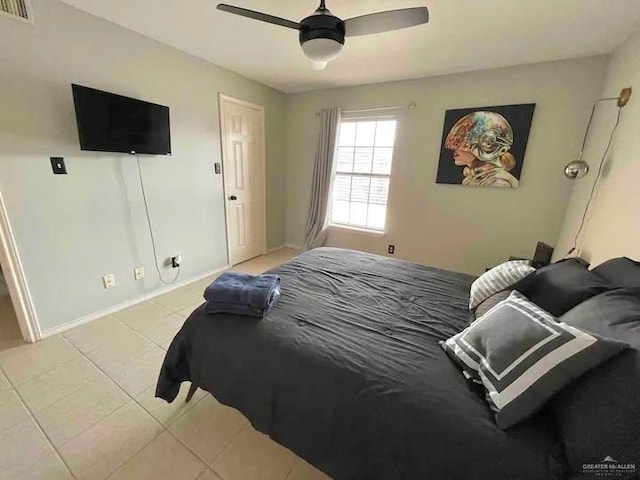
<point x="350" y="226"/>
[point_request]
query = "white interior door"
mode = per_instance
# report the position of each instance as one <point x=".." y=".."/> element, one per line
<point x="243" y="151"/>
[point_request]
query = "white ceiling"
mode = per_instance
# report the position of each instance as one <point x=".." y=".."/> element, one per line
<point x="462" y="35"/>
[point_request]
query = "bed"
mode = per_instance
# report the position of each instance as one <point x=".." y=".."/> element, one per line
<point x="346" y="371"/>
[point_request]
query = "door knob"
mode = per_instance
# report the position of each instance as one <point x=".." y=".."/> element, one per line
<point x="233" y="197"/>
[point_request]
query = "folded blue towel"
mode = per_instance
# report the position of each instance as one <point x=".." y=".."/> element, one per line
<point x="234" y="292"/>
<point x="240" y="309"/>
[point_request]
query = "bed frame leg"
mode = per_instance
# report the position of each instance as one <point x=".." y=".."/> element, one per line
<point x="192" y="390"/>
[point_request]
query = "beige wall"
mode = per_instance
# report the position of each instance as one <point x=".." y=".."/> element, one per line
<point x="73" y="229"/>
<point x="448" y="226"/>
<point x="613" y="223"/>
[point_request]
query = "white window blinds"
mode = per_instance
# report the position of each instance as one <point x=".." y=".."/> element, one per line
<point x="17" y="9"/>
<point x="362" y="173"/>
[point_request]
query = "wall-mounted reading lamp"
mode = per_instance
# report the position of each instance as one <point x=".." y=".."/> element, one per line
<point x="579" y="168"/>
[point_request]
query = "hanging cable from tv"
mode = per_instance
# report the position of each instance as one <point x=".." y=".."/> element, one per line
<point x="176" y="262"/>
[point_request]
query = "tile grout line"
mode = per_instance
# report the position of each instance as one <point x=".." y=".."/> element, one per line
<point x="49" y="441"/>
<point x="145" y="336"/>
<point x="164" y="428"/>
<point x="110" y="413"/>
<point x="93" y="424"/>
<point x="131" y="398"/>
<point x="86" y="356"/>
<point x="209" y="465"/>
<point x="167" y="428"/>
<point x="224" y="449"/>
<point x="14" y="384"/>
<point x="67" y="341"/>
<point x="31" y="413"/>
<point x="228" y="445"/>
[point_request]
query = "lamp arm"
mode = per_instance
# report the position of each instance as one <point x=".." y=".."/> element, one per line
<point x="622" y="100"/>
<point x="586" y="132"/>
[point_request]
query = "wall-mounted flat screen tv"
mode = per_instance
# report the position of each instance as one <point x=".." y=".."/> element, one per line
<point x="112" y="123"/>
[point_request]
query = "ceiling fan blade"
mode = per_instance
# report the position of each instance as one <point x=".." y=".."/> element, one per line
<point x="263" y="17"/>
<point x="386" y="21"/>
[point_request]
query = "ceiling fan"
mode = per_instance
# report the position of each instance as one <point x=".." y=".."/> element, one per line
<point x="322" y="34"/>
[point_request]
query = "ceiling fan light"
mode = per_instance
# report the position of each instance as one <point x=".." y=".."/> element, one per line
<point x="321" y="49"/>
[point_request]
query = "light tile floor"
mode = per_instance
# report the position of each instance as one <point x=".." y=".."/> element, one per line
<point x="81" y="405"/>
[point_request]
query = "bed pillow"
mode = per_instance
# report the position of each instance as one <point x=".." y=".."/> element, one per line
<point x="499" y="278"/>
<point x="559" y="287"/>
<point x="621" y="272"/>
<point x="491" y="302"/>
<point x="523" y="356"/>
<point x="599" y="414"/>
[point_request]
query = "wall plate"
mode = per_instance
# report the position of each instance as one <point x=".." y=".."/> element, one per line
<point x="138" y="272"/>
<point x="109" y="280"/>
<point x="58" y="166"/>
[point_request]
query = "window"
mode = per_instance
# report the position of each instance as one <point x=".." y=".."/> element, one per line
<point x="363" y="168"/>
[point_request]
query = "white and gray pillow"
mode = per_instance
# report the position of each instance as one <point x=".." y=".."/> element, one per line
<point x="491" y="302"/>
<point x="523" y="356"/>
<point x="502" y="277"/>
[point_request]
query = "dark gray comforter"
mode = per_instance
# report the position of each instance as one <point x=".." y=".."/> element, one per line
<point x="347" y="372"/>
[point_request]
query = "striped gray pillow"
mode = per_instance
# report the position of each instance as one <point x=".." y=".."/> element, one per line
<point x="523" y="356"/>
<point x="499" y="278"/>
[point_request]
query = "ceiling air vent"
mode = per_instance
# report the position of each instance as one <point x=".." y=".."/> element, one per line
<point x="16" y="9"/>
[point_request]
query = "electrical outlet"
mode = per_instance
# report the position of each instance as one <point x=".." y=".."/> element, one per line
<point x="392" y="249"/>
<point x="176" y="261"/>
<point x="138" y="273"/>
<point x="58" y="166"/>
<point x="109" y="280"/>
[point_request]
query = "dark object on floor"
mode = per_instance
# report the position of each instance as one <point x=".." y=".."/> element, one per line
<point x="242" y="294"/>
<point x="347" y="372"/>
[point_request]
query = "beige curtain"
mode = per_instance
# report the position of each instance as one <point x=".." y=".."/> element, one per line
<point x="316" y="231"/>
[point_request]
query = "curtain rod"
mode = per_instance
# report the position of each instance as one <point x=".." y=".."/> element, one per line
<point x="409" y="106"/>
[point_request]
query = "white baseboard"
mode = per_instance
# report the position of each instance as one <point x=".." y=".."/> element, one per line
<point x="130" y="303"/>
<point x="274" y="249"/>
<point x="280" y="247"/>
